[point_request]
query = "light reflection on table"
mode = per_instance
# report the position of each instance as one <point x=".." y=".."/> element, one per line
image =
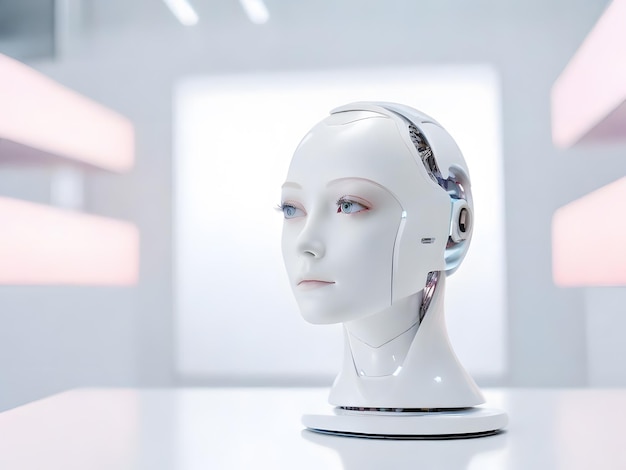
<point x="203" y="428"/>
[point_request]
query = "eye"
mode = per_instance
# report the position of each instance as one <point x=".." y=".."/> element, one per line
<point x="348" y="206"/>
<point x="290" y="211"/>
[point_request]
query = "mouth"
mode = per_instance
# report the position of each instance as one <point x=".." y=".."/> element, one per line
<point x="309" y="284"/>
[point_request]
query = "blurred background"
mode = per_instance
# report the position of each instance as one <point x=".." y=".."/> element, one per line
<point x="217" y="98"/>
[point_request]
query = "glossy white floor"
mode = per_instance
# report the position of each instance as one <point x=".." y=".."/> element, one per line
<point x="200" y="428"/>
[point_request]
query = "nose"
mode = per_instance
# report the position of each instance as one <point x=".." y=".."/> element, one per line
<point x="310" y="242"/>
<point x="312" y="248"/>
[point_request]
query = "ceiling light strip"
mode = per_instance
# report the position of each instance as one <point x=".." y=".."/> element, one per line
<point x="183" y="11"/>
<point x="256" y="11"/>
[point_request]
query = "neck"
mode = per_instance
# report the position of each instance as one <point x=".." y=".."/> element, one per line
<point x="382" y="327"/>
<point x="379" y="343"/>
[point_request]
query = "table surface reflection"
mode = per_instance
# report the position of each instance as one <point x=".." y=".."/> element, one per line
<point x="210" y="428"/>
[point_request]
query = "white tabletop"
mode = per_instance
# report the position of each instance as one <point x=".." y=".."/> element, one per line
<point x="260" y="428"/>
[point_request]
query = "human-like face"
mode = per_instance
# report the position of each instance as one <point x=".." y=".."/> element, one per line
<point x="340" y="227"/>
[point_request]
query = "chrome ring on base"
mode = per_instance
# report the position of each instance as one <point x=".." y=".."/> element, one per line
<point x="453" y="424"/>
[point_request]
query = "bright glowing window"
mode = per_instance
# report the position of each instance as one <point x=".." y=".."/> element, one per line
<point x="234" y="137"/>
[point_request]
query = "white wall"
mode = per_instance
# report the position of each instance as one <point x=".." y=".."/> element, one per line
<point x="606" y="323"/>
<point x="129" y="54"/>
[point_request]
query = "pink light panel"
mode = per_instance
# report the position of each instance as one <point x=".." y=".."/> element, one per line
<point x="589" y="239"/>
<point x="45" y="245"/>
<point x="591" y="92"/>
<point x="37" y="112"/>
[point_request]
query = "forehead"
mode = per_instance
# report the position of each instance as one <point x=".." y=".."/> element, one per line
<point x="354" y="145"/>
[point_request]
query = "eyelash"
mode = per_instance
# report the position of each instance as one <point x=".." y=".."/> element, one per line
<point x="346" y="199"/>
<point x="284" y="205"/>
<point x="342" y="200"/>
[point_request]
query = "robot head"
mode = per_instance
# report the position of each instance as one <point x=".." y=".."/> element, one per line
<point x="377" y="197"/>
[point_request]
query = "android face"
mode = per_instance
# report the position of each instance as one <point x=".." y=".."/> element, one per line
<point x="341" y="224"/>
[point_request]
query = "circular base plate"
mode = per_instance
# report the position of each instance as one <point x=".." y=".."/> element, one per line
<point x="454" y="424"/>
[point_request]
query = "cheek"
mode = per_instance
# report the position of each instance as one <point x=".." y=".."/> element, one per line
<point x="284" y="242"/>
<point x="359" y="258"/>
<point x="288" y="245"/>
<point x="363" y="262"/>
<point x="367" y="245"/>
<point x="288" y="238"/>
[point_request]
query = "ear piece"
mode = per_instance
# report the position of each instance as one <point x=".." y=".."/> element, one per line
<point x="460" y="220"/>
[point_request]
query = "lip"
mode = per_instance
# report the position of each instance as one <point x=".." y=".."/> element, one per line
<point x="309" y="284"/>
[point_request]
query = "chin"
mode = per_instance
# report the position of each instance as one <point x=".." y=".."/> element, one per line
<point x="319" y="319"/>
<point x="318" y="316"/>
<point x="326" y="316"/>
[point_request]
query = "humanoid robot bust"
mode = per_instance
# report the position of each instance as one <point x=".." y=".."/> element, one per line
<point x="378" y="211"/>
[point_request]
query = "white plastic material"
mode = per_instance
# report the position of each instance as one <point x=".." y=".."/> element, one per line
<point x="365" y="227"/>
<point x="430" y="377"/>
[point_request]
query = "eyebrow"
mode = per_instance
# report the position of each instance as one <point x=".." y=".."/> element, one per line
<point x="351" y="178"/>
<point x="290" y="184"/>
